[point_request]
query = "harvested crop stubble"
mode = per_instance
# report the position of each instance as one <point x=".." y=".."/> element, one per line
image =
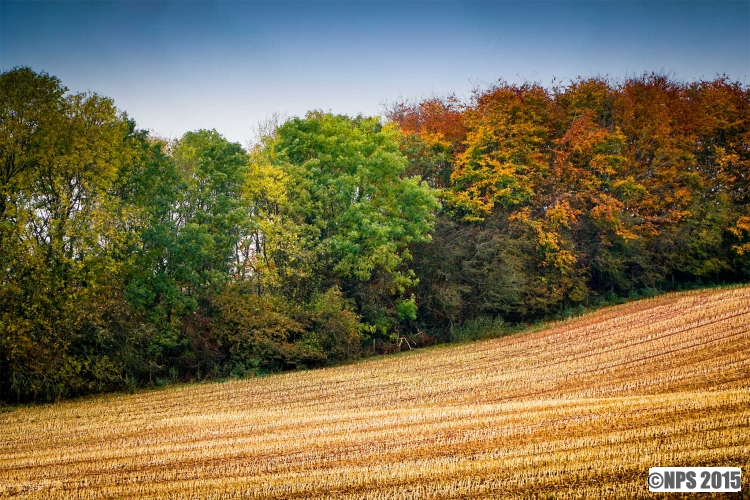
<point x="580" y="409"/>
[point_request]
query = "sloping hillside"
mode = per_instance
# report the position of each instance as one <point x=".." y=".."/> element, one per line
<point x="582" y="408"/>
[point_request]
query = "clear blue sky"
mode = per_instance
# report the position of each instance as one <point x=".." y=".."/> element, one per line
<point x="183" y="65"/>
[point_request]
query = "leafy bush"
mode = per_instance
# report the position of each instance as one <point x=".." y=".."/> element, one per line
<point x="482" y="327"/>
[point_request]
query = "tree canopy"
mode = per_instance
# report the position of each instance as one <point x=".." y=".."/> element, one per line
<point x="127" y="260"/>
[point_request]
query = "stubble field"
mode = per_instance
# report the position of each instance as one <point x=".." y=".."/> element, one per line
<point x="579" y="409"/>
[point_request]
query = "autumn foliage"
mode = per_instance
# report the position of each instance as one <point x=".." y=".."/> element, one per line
<point x="556" y="198"/>
<point x="127" y="260"/>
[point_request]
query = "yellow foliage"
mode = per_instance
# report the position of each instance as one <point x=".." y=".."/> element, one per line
<point x="740" y="229"/>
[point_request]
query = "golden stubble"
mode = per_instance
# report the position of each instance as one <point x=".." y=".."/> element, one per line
<point x="581" y="408"/>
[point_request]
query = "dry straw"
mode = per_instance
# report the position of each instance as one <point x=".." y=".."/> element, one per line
<point x="580" y="409"/>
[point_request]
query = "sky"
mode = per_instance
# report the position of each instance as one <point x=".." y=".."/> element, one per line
<point x="177" y="66"/>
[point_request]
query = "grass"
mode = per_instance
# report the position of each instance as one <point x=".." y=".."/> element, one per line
<point x="581" y="408"/>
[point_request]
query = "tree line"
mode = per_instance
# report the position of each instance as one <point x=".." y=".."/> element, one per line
<point x="127" y="260"/>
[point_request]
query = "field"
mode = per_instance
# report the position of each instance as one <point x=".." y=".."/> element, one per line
<point x="581" y="408"/>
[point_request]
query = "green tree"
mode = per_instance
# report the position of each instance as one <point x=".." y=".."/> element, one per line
<point x="62" y="244"/>
<point x="356" y="212"/>
<point x="193" y="219"/>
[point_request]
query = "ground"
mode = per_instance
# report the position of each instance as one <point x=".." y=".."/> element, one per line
<point x="580" y="408"/>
